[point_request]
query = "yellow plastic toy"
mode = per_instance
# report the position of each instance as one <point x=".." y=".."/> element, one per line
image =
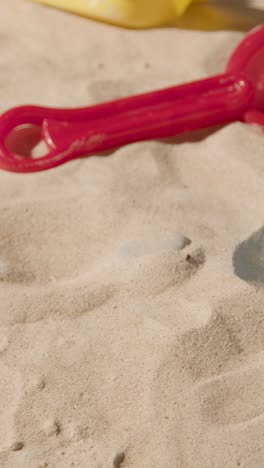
<point x="202" y="14"/>
<point x="127" y="13"/>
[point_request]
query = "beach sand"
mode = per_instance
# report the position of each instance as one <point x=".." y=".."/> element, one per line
<point x="131" y="286"/>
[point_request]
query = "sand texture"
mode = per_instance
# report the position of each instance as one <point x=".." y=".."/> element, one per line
<point x="131" y="286"/>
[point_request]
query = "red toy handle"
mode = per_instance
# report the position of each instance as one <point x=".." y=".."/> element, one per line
<point x="254" y="117"/>
<point x="72" y="133"/>
<point x="193" y="106"/>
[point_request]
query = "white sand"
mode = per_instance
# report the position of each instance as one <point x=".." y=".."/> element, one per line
<point x="131" y="287"/>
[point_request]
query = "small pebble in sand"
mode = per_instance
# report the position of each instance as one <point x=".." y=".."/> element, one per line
<point x="197" y="258"/>
<point x="37" y="383"/>
<point x="17" y="446"/>
<point x="118" y="460"/>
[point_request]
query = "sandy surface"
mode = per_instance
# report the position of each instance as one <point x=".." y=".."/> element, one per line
<point x="131" y="287"/>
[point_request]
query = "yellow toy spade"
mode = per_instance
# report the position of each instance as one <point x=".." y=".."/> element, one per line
<point x="127" y="13"/>
<point x="202" y="14"/>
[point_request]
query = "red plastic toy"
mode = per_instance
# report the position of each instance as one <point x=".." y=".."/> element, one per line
<point x="71" y="133"/>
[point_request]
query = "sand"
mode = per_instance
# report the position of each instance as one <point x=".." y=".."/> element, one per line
<point x="131" y="286"/>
